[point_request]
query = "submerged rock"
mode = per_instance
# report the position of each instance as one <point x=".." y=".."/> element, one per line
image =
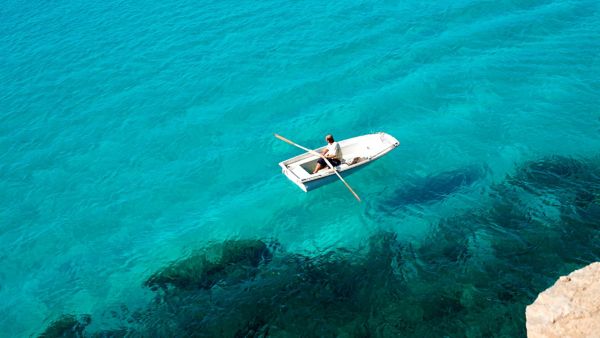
<point x="327" y="294"/>
<point x="570" y="308"/>
<point x="256" y="327"/>
<point x="237" y="260"/>
<point x="67" y="326"/>
<point x="117" y="333"/>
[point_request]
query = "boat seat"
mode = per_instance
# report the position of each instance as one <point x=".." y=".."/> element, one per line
<point x="300" y="172"/>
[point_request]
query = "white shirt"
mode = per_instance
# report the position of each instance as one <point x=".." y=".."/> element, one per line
<point x="334" y="150"/>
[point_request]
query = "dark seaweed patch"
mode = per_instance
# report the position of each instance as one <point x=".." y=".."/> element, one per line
<point x="238" y="260"/>
<point x="67" y="326"/>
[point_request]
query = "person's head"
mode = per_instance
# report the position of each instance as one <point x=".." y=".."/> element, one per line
<point x="329" y="138"/>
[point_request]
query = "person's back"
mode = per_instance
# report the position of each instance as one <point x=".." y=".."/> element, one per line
<point x="333" y="153"/>
<point x="335" y="150"/>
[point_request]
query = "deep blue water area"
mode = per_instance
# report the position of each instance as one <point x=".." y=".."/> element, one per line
<point x="142" y="197"/>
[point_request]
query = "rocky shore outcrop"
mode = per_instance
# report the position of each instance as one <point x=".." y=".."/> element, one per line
<point x="570" y="308"/>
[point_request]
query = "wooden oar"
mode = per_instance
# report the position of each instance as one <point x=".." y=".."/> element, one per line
<point x="323" y="157"/>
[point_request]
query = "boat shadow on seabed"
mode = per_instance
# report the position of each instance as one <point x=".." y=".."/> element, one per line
<point x="421" y="191"/>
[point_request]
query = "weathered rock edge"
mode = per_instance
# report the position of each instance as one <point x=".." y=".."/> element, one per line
<point x="570" y="308"/>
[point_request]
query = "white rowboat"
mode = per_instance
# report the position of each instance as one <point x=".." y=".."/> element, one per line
<point x="357" y="152"/>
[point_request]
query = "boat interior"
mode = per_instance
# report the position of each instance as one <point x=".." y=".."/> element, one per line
<point x="347" y="161"/>
<point x="352" y="154"/>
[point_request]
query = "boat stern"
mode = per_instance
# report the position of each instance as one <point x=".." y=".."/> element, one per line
<point x="292" y="175"/>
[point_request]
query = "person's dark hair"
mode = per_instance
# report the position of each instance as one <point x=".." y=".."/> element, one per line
<point x="329" y="138"/>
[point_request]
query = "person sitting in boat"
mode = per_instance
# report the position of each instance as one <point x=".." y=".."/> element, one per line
<point x="332" y="152"/>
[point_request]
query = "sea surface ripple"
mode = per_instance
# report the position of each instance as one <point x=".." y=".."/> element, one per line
<point x="135" y="134"/>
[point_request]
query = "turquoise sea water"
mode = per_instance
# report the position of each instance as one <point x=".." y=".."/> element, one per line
<point x="134" y="134"/>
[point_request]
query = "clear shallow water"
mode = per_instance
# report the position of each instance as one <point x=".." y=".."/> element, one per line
<point x="133" y="134"/>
